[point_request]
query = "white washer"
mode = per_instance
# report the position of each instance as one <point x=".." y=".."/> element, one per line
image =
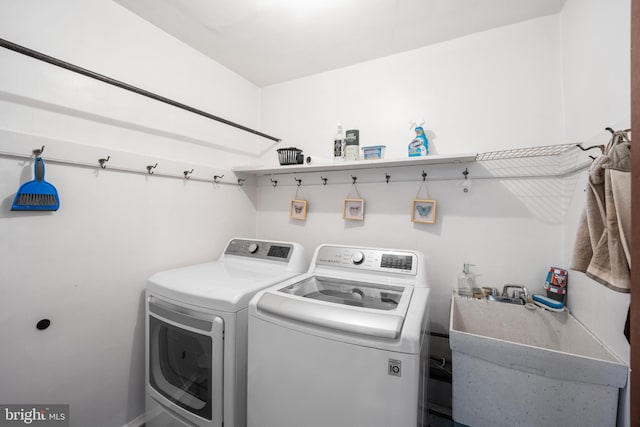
<point x="343" y="345"/>
<point x="196" y="333"/>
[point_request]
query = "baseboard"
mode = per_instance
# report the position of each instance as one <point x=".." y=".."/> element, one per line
<point x="136" y="422"/>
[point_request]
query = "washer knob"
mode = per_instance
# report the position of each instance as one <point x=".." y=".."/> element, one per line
<point x="357" y="258"/>
<point x="253" y="248"/>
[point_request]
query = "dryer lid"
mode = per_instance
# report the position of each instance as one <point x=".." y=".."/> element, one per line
<point x="225" y="286"/>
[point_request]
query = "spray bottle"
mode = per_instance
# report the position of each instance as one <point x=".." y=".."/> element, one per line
<point x="420" y="145"/>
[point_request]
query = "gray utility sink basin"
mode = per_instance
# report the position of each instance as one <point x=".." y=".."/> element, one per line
<point x="513" y="366"/>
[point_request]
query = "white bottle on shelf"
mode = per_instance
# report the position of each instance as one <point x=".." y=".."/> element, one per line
<point x="338" y="144"/>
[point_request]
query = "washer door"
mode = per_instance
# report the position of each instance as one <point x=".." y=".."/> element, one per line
<point x="185" y="358"/>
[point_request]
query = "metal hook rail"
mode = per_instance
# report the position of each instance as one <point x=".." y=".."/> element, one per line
<point x="150" y="170"/>
<point x="422" y="177"/>
<point x="96" y="76"/>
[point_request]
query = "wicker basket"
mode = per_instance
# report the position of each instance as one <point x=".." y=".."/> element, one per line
<point x="290" y="156"/>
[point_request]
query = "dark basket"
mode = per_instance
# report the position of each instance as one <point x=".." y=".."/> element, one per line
<point x="290" y="156"/>
<point x="555" y="296"/>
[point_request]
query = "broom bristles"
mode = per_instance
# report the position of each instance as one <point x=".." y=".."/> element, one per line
<point x="36" y="200"/>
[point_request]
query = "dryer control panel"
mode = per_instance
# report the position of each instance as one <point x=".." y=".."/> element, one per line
<point x="274" y="251"/>
<point x="403" y="262"/>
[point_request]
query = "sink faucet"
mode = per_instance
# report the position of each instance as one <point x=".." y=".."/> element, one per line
<point x="490" y="291"/>
<point x="519" y="292"/>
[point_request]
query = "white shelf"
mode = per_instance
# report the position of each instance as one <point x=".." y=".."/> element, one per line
<point x="357" y="164"/>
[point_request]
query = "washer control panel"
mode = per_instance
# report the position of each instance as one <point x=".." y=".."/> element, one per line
<point x="404" y="262"/>
<point x="274" y="251"/>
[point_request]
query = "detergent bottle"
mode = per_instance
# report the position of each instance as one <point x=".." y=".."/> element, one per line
<point x="420" y="145"/>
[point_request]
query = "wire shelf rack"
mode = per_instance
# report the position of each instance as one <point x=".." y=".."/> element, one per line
<point x="519" y="153"/>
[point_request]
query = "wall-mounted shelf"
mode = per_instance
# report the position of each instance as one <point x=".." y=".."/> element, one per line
<point x="528" y="152"/>
<point x="358" y="164"/>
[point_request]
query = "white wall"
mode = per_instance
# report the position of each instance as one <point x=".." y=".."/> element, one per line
<point x="596" y="67"/>
<point x="596" y="81"/>
<point x="492" y="90"/>
<point x="84" y="267"/>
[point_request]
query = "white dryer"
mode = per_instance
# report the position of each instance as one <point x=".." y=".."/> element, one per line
<point x="342" y="345"/>
<point x="196" y="333"/>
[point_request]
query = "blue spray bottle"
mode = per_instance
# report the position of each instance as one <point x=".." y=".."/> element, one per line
<point x="420" y="144"/>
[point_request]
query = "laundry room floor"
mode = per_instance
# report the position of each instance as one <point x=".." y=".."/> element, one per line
<point x="436" y="421"/>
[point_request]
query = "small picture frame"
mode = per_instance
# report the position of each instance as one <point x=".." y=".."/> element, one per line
<point x="423" y="211"/>
<point x="298" y="209"/>
<point x="353" y="209"/>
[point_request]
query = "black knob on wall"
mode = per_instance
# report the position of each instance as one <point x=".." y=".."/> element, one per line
<point x="43" y="324"/>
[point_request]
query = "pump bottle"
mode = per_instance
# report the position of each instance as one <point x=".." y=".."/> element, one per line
<point x="466" y="281"/>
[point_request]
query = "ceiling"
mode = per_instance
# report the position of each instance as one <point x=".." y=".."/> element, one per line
<point x="271" y="41"/>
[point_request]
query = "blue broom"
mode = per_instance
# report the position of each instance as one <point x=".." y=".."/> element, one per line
<point x="36" y="195"/>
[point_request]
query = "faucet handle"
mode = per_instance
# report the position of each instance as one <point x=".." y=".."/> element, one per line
<point x="519" y="288"/>
<point x="490" y="291"/>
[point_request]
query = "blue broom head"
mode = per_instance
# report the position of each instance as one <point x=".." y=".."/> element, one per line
<point x="36" y="195"/>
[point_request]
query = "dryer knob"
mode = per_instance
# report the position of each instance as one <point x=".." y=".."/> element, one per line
<point x="253" y="248"/>
<point x="357" y="258"/>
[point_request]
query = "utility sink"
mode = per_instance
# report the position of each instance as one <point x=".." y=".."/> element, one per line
<point x="513" y="366"/>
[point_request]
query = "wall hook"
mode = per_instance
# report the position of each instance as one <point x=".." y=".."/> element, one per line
<point x="601" y="147"/>
<point x="424" y="176"/>
<point x="187" y="174"/>
<point x="324" y="180"/>
<point x="299" y="181"/>
<point x="217" y="178"/>
<point x="103" y="162"/>
<point x="274" y="182"/>
<point x="387" y="177"/>
<point x="354" y="179"/>
<point x="149" y="168"/>
<point x="241" y="182"/>
<point x="38" y="151"/>
<point x="467" y="183"/>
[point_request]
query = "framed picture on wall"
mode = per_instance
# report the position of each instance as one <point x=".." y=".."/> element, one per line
<point x="298" y="209"/>
<point x="353" y="209"/>
<point x="423" y="211"/>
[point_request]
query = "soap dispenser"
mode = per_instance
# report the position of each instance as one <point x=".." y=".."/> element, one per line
<point x="466" y="281"/>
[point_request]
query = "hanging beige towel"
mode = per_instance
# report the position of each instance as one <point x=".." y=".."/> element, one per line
<point x="619" y="166"/>
<point x="593" y="218"/>
<point x="602" y="249"/>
